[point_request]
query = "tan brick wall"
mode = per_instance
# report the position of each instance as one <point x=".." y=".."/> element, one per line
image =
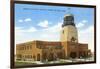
<point x="68" y="32"/>
<point x="30" y="50"/>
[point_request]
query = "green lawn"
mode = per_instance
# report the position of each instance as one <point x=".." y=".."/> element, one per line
<point x="23" y="63"/>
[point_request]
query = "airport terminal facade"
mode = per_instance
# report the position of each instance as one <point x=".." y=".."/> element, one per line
<point x="67" y="47"/>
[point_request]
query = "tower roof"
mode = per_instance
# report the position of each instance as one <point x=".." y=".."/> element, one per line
<point x="68" y="15"/>
<point x="68" y="20"/>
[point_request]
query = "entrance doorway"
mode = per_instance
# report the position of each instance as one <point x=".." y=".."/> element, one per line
<point x="73" y="55"/>
<point x="38" y="57"/>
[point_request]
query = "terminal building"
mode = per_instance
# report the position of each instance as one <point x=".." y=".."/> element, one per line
<point x="67" y="47"/>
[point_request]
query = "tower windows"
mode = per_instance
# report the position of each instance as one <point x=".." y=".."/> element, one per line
<point x="68" y="20"/>
<point x="73" y="39"/>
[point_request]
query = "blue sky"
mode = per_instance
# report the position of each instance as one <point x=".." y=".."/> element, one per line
<point x="39" y="22"/>
<point x="53" y="16"/>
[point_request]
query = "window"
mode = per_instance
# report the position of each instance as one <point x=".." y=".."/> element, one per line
<point x="30" y="56"/>
<point x="38" y="57"/>
<point x="34" y="57"/>
<point x="38" y="46"/>
<point x="73" y="39"/>
<point x="30" y="47"/>
<point x="27" y="47"/>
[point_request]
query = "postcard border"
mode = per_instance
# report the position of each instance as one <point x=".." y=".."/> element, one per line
<point x="12" y="42"/>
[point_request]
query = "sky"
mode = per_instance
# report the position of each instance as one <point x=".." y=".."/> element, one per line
<point x="43" y="22"/>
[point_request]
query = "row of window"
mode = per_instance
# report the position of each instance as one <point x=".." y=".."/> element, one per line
<point x="26" y="56"/>
<point x="29" y="47"/>
<point x="48" y="43"/>
<point x="46" y="47"/>
<point x="19" y="56"/>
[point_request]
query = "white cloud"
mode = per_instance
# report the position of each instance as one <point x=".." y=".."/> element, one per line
<point x="27" y="19"/>
<point x="55" y="28"/>
<point x="20" y="20"/>
<point x="18" y="28"/>
<point x="44" y="24"/>
<point x="81" y="24"/>
<point x="48" y="34"/>
<point x="32" y="29"/>
<point x="24" y="20"/>
<point x="84" y="21"/>
<point x="51" y="33"/>
<point x="24" y="35"/>
<point x="87" y="36"/>
<point x="21" y="30"/>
